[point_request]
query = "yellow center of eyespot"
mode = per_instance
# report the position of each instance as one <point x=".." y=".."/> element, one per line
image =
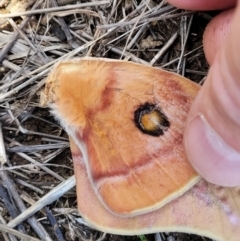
<point x="150" y="121"/>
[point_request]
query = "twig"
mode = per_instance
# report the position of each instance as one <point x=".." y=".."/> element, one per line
<point x="54" y="224"/>
<point x="127" y="54"/>
<point x="139" y="33"/>
<point x="135" y="24"/>
<point x="164" y="48"/>
<point x="25" y="237"/>
<point x="177" y="59"/>
<point x="65" y="2"/>
<point x="157" y="237"/>
<point x="4" y="234"/>
<point x="35" y="148"/>
<point x="28" y="185"/>
<point x="50" y="197"/>
<point x="10" y="206"/>
<point x="42" y="166"/>
<point x="38" y="228"/>
<point x="52" y="155"/>
<point x="65" y="29"/>
<point x="8" y="46"/>
<point x="44" y="58"/>
<point x="184" y="41"/>
<point x="54" y="9"/>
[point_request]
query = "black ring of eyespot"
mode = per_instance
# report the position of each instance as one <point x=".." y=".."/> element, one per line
<point x="148" y="109"/>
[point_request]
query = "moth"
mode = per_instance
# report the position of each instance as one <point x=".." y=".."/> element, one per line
<point x="125" y="123"/>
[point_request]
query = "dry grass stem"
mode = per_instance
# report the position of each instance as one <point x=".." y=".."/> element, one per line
<point x="25" y="237"/>
<point x="53" y="9"/>
<point x="50" y="197"/>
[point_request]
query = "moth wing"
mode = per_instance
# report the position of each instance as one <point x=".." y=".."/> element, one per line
<point x="131" y="170"/>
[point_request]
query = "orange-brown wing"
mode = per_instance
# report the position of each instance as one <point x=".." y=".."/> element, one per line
<point x="128" y="120"/>
<point x="205" y="209"/>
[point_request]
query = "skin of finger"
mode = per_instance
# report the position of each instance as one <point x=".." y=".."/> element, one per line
<point x="219" y="103"/>
<point x="215" y="34"/>
<point x="217" y="163"/>
<point x="203" y="4"/>
<point x="219" y="99"/>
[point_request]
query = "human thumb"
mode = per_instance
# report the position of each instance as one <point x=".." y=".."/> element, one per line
<point x="212" y="134"/>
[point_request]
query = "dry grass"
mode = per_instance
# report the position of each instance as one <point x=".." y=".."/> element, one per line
<point x="36" y="174"/>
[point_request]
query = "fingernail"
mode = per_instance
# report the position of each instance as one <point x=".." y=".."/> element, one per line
<point x="211" y="157"/>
